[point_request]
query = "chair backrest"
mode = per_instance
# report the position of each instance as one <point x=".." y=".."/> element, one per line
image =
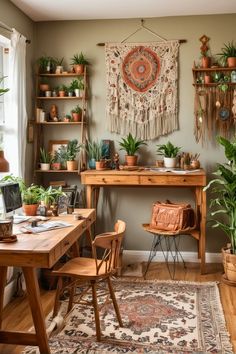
<point x="110" y="242"/>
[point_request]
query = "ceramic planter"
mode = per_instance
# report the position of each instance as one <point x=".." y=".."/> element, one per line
<point x="30" y="209"/>
<point x="100" y="165"/>
<point x="59" y="69"/>
<point x="72" y="165"/>
<point x="131" y="160"/>
<point x="56" y="165"/>
<point x="206" y="62"/>
<point x="45" y="166"/>
<point x="92" y="164"/>
<point x="170" y="162"/>
<point x="79" y="69"/>
<point x="231" y="61"/>
<point x="76" y="117"/>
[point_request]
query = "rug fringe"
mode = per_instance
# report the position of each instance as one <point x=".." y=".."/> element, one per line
<point x="180" y="282"/>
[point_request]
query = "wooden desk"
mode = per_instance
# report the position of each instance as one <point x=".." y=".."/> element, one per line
<point x="143" y="178"/>
<point x="33" y="251"/>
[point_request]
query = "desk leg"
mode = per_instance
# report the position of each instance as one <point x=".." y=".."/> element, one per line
<point x="3" y="278"/>
<point x="89" y="192"/>
<point x="202" y="241"/>
<point x="92" y="195"/>
<point x="32" y="287"/>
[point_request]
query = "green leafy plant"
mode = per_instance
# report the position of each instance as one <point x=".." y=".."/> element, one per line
<point x="2" y="90"/>
<point x="79" y="59"/>
<point x="131" y="144"/>
<point x="77" y="109"/>
<point x="62" y="88"/>
<point x="58" y="61"/>
<point x="228" y="51"/>
<point x="50" y="195"/>
<point x="168" y="150"/>
<point x="94" y="150"/>
<point x="223" y="202"/>
<point x="73" y="147"/>
<point x="45" y="61"/>
<point x="74" y="85"/>
<point x="62" y="151"/>
<point x="57" y="158"/>
<point x="45" y="156"/>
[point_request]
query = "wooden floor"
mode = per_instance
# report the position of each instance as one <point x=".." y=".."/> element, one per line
<point x="17" y="314"/>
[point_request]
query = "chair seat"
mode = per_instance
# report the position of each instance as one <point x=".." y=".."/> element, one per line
<point x="81" y="267"/>
<point x="152" y="230"/>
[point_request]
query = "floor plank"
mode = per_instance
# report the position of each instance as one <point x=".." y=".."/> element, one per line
<point x="17" y="314"/>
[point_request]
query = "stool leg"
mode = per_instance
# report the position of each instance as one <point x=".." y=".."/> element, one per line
<point x="153" y="251"/>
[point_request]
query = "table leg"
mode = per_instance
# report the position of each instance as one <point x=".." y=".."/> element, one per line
<point x="3" y="278"/>
<point x="32" y="287"/>
<point x="203" y="232"/>
<point x="89" y="192"/>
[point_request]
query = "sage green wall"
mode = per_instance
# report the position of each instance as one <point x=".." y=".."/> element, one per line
<point x="14" y="18"/>
<point x="133" y="205"/>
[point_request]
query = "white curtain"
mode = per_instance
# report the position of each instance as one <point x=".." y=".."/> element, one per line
<point x="16" y="116"/>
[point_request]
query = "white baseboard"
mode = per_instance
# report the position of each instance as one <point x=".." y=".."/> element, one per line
<point x="132" y="256"/>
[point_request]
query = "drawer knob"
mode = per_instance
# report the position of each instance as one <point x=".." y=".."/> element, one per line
<point x="66" y="243"/>
<point x="149" y="180"/>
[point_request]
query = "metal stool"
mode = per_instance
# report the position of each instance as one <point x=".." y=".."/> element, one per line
<point x="171" y="241"/>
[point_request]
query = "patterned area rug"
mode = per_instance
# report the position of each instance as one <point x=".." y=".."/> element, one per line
<point x="159" y="317"/>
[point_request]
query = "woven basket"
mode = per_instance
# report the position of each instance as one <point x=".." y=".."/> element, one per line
<point x="229" y="263"/>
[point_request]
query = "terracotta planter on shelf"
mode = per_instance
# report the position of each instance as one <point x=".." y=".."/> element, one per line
<point x="44" y="87"/>
<point x="229" y="263"/>
<point x="76" y="117"/>
<point x="79" y="69"/>
<point x="207" y="79"/>
<point x="30" y="209"/>
<point x="4" y="164"/>
<point x="100" y="165"/>
<point x="61" y="93"/>
<point x="72" y="165"/>
<point x="206" y="62"/>
<point x="231" y="61"/>
<point x="131" y="160"/>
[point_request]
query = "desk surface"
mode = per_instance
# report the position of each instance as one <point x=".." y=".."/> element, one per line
<point x="45" y="248"/>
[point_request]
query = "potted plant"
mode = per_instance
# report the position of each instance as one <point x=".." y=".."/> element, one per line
<point x="46" y="64"/>
<point x="223" y="205"/>
<point x="48" y="197"/>
<point x="170" y="152"/>
<point x="58" y="64"/>
<point x="62" y="90"/>
<point x="78" y="61"/>
<point x="45" y="159"/>
<point x="131" y="145"/>
<point x="228" y="54"/>
<point x="72" y="150"/>
<point x="74" y="87"/>
<point x="94" y="154"/>
<point x="56" y="160"/>
<point x="76" y="113"/>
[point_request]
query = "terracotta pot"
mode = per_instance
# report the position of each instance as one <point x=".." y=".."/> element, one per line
<point x="72" y="165"/>
<point x="207" y="79"/>
<point x="30" y="209"/>
<point x="206" y="62"/>
<point x="61" y="93"/>
<point x="229" y="263"/>
<point x="76" y="117"/>
<point x="56" y="165"/>
<point x="131" y="160"/>
<point x="231" y="61"/>
<point x="79" y="69"/>
<point x="100" y="165"/>
<point x="44" y="87"/>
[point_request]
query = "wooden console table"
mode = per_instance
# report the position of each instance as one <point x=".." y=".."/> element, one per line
<point x="94" y="179"/>
<point x="33" y="251"/>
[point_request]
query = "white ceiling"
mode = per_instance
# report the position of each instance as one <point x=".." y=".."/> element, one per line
<point x="53" y="10"/>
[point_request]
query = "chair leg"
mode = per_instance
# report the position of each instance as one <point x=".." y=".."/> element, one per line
<point x="57" y="297"/>
<point x="155" y="243"/>
<point x="71" y="298"/>
<point x="113" y="297"/>
<point x="96" y="310"/>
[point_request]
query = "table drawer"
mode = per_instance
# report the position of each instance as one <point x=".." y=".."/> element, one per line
<point x="112" y="180"/>
<point x="185" y="180"/>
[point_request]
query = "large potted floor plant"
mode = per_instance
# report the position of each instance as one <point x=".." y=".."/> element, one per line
<point x="131" y="145"/>
<point x="223" y="206"/>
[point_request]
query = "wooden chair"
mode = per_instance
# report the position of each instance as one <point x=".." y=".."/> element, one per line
<point x="93" y="271"/>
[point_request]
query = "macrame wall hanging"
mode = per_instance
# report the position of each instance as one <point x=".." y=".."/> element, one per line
<point x="142" y="90"/>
